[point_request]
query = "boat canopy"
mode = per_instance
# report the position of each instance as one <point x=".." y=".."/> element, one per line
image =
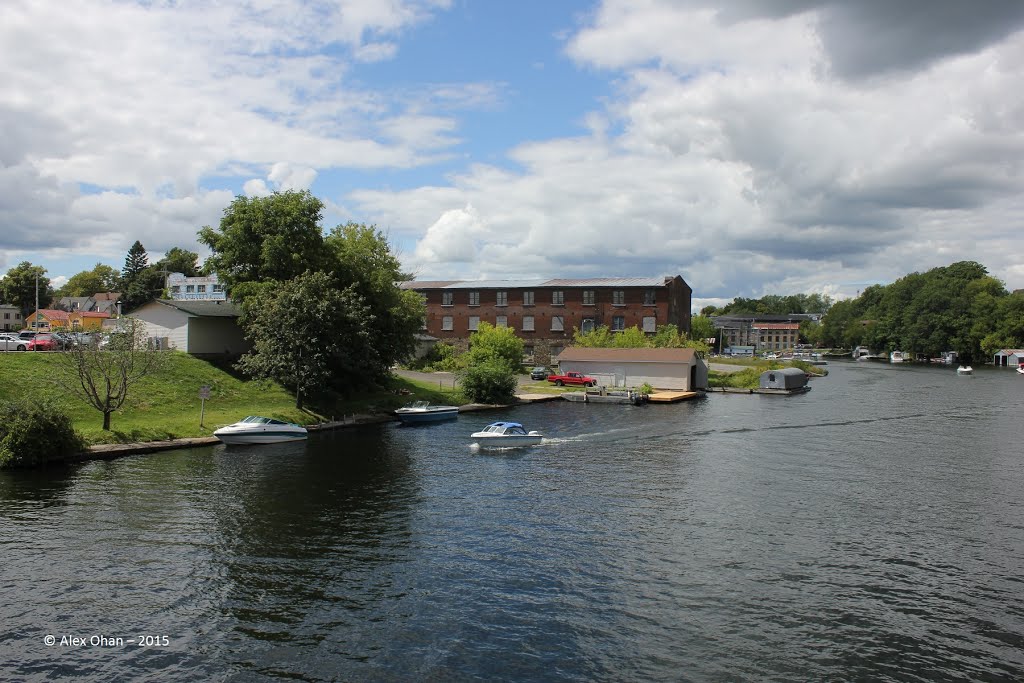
<point x="258" y="420"/>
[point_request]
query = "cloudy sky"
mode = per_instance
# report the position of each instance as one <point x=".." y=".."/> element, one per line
<point x="752" y="146"/>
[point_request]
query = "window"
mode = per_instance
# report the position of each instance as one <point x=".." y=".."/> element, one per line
<point x="201" y="289"/>
<point x="447" y="323"/>
<point x="618" y="323"/>
<point x="7" y="316"/>
<point x="175" y="289"/>
<point x="587" y="325"/>
<point x="527" y="298"/>
<point x="423" y="323"/>
<point x="474" y="322"/>
<point x="528" y="351"/>
<point x="527" y="323"/>
<point x="557" y="324"/>
<point x="588" y="297"/>
<point x="447" y="298"/>
<point x="474" y="299"/>
<point x="555" y="351"/>
<point x="501" y="321"/>
<point x="649" y="297"/>
<point x="190" y="288"/>
<point x="502" y="299"/>
<point x="618" y="297"/>
<point x="218" y="288"/>
<point x="558" y="298"/>
<point x="650" y="324"/>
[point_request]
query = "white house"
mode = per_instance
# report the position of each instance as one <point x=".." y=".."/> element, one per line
<point x="679" y="369"/>
<point x="196" y="327"/>
<point x="10" y="318"/>
<point x="199" y="288"/>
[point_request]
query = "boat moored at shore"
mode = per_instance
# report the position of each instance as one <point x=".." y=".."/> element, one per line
<point x="255" y="429"/>
<point x="422" y="411"/>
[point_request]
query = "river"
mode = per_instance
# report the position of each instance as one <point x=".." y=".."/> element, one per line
<point x="871" y="529"/>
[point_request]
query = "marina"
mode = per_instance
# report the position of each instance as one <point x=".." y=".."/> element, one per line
<point x="868" y="530"/>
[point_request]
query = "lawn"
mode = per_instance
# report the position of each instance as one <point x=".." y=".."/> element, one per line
<point x="167" y="405"/>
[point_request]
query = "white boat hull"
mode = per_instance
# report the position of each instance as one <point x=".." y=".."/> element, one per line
<point x="487" y="441"/>
<point x="432" y="414"/>
<point x="260" y="430"/>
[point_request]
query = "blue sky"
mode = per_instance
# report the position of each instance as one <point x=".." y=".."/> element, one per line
<point x="753" y="147"/>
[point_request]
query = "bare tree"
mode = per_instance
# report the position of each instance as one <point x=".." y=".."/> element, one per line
<point x="102" y="373"/>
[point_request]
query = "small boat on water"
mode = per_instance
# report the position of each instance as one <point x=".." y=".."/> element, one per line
<point x="965" y="370"/>
<point x="897" y="357"/>
<point x="506" y="434"/>
<point x="422" y="411"/>
<point x="1020" y="369"/>
<point x="255" y="429"/>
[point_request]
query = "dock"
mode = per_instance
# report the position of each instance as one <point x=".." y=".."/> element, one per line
<point x="672" y="396"/>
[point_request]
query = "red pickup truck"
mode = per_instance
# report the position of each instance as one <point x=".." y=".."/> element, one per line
<point x="572" y="378"/>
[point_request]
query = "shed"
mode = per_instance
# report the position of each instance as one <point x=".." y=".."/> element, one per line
<point x="786" y="378"/>
<point x="204" y="328"/>
<point x="1008" y="357"/>
<point x="680" y="369"/>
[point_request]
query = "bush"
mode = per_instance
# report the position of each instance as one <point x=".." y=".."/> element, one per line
<point x="489" y="382"/>
<point x="442" y="357"/>
<point x="35" y="433"/>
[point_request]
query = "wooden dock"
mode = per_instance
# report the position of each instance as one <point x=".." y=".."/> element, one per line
<point x="672" y="396"/>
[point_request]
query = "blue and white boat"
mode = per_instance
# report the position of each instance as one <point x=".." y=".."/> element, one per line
<point x="504" y="435"/>
<point x="255" y="429"/>
<point x="422" y="411"/>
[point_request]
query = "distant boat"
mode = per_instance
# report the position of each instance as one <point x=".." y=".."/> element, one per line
<point x="897" y="357"/>
<point x="255" y="429"/>
<point x="422" y="411"/>
<point x="1020" y="368"/>
<point x="965" y="370"/>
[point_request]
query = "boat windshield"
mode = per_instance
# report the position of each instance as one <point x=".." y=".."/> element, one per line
<point x="257" y="420"/>
<point x="418" y="404"/>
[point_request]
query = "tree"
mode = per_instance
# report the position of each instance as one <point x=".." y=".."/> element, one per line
<point x="360" y="257"/>
<point x="701" y="328"/>
<point x="178" y="260"/>
<point x="102" y="278"/>
<point x="488" y="382"/>
<point x="308" y="334"/>
<point x="22" y="284"/>
<point x="265" y="238"/>
<point x="136" y="278"/>
<point x="103" y="377"/>
<point x="495" y="344"/>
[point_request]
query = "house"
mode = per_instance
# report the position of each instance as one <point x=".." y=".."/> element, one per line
<point x="679" y="369"/>
<point x="10" y="318"/>
<point x="1008" y="358"/>
<point x="203" y="328"/>
<point x="181" y="287"/>
<point x="762" y="331"/>
<point x="544" y="313"/>
<point x="790" y="379"/>
<point x="50" y="319"/>
<point x="76" y="303"/>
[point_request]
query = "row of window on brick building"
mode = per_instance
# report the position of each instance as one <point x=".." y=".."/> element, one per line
<point x="589" y="298"/>
<point x="557" y="323"/>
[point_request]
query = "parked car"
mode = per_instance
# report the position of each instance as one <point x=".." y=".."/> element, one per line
<point x="10" y="342"/>
<point x="572" y="378"/>
<point x="42" y="342"/>
<point x="539" y="372"/>
<point x="27" y="334"/>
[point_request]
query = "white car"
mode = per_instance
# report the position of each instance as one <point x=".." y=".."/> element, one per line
<point x="11" y="342"/>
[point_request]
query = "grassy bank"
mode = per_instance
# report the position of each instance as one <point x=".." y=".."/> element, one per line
<point x="750" y="376"/>
<point x="167" y="405"/>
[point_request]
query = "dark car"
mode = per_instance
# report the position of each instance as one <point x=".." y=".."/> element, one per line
<point x="539" y="372"/>
<point x="27" y="334"/>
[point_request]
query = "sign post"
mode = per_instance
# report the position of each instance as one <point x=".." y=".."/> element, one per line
<point x="204" y="393"/>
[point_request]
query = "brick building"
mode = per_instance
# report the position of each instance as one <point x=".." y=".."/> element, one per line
<point x="761" y="332"/>
<point x="544" y="313"/>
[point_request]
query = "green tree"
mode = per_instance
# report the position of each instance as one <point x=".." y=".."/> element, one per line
<point x="265" y="238"/>
<point x="488" y="382"/>
<point x="701" y="328"/>
<point x="33" y="433"/>
<point x="103" y="377"/>
<point x="631" y="338"/>
<point x="360" y="257"/>
<point x="178" y="260"/>
<point x="497" y="344"/>
<point x="20" y="286"/>
<point x="599" y="337"/>
<point x="136" y="278"/>
<point x="309" y="335"/>
<point x="102" y="278"/>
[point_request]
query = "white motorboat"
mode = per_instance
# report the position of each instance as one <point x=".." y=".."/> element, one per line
<point x="1020" y="369"/>
<point x="965" y="370"/>
<point x="506" y="434"/>
<point x="255" y="429"/>
<point x="897" y="357"/>
<point x="422" y="411"/>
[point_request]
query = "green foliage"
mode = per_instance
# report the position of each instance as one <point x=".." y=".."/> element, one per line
<point x="138" y="282"/>
<point x="957" y="307"/>
<point x="701" y="328"/>
<point x="774" y="304"/>
<point x="102" y="278"/>
<point x="750" y="378"/>
<point x="19" y="287"/>
<point x="490" y="344"/>
<point x="491" y="381"/>
<point x="178" y="260"/>
<point x="598" y="338"/>
<point x="35" y="432"/>
<point x="666" y="336"/>
<point x="645" y="388"/>
<point x="442" y="357"/>
<point x="310" y="335"/>
<point x="266" y="238"/>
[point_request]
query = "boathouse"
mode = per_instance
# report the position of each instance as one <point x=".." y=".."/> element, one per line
<point x="1008" y="358"/>
<point x="201" y="328"/>
<point x="680" y="369"/>
<point x="790" y="379"/>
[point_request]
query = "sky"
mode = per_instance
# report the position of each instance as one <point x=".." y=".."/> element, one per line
<point x="752" y="146"/>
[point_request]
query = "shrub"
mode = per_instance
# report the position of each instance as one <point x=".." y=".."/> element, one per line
<point x="645" y="388"/>
<point x="35" y="433"/>
<point x="489" y="382"/>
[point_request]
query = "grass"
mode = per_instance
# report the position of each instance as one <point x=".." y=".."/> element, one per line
<point x="750" y="378"/>
<point x="167" y="405"/>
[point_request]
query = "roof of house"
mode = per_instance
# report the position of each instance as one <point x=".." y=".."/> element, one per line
<point x="1009" y="352"/>
<point x="777" y="326"/>
<point x="539" y="282"/>
<point x="93" y="314"/>
<point x="53" y="314"/>
<point x="201" y="308"/>
<point x="644" y="355"/>
<point x="106" y="296"/>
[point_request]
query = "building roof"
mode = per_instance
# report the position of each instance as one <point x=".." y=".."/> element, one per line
<point x="106" y="296"/>
<point x="93" y="314"/>
<point x="523" y="284"/>
<point x="203" y="308"/>
<point x="644" y="355"/>
<point x="1009" y="352"/>
<point x="777" y="326"/>
<point x="53" y="314"/>
<point x="763" y="317"/>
